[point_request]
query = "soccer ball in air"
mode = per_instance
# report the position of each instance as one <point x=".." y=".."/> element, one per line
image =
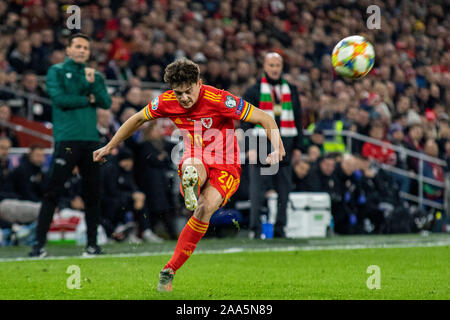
<point x="353" y="57"/>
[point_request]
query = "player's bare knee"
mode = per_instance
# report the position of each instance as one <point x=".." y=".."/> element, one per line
<point x="204" y="211"/>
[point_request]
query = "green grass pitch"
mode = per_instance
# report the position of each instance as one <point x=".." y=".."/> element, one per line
<point x="410" y="267"/>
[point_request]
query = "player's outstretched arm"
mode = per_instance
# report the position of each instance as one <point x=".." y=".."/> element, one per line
<point x="125" y="131"/>
<point x="270" y="126"/>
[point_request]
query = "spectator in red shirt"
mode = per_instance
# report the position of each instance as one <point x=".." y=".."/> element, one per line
<point x="376" y="152"/>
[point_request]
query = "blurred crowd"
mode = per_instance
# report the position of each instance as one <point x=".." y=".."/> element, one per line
<point x="403" y="101"/>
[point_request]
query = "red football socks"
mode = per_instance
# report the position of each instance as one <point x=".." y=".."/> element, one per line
<point x="189" y="237"/>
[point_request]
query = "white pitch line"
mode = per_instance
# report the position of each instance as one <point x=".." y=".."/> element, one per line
<point x="239" y="250"/>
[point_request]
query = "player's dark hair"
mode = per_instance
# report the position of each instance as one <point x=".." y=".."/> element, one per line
<point x="78" y="35"/>
<point x="180" y="72"/>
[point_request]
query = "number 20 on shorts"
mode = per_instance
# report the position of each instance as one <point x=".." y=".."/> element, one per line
<point x="229" y="181"/>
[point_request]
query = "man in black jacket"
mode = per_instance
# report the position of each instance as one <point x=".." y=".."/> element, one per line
<point x="345" y="196"/>
<point x="324" y="173"/>
<point x="121" y="197"/>
<point x="28" y="177"/>
<point x="273" y="94"/>
<point x="376" y="187"/>
<point x="304" y="177"/>
<point x="17" y="208"/>
<point x="22" y="206"/>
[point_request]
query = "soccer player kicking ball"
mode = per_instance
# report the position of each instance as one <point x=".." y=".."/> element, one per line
<point x="210" y="168"/>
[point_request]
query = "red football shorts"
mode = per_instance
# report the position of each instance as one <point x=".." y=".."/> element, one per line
<point x="223" y="177"/>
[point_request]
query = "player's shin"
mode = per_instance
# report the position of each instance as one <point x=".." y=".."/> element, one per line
<point x="189" y="237"/>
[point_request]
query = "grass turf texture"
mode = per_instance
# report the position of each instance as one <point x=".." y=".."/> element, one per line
<point x="309" y="272"/>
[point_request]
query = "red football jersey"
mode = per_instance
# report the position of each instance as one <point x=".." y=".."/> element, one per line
<point x="207" y="127"/>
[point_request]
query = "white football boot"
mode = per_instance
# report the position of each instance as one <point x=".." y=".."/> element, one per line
<point x="189" y="183"/>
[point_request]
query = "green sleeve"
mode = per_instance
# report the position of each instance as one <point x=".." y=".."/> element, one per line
<point x="102" y="98"/>
<point x="59" y="98"/>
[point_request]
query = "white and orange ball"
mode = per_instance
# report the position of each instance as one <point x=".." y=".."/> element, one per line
<point x="353" y="57"/>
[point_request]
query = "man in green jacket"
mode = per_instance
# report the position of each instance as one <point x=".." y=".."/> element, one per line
<point x="76" y="92"/>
